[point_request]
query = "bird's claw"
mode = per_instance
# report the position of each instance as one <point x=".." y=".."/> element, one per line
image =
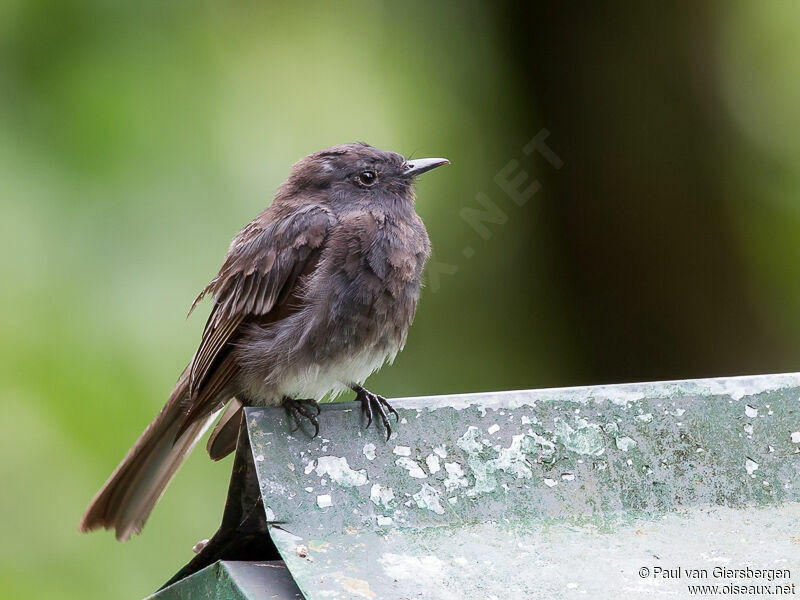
<point x="298" y="408"/>
<point x="382" y="405"/>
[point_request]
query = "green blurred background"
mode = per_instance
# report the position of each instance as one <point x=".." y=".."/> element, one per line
<point x="136" y="138"/>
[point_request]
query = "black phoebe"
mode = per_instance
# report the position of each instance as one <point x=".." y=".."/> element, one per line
<point x="315" y="294"/>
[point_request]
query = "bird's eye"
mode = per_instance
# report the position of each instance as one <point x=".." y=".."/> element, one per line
<point x="367" y="178"/>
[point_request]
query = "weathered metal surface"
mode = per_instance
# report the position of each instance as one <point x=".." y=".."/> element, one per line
<point x="550" y="493"/>
<point x="231" y="580"/>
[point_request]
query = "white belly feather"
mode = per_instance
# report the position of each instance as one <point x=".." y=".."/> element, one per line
<point x="317" y="381"/>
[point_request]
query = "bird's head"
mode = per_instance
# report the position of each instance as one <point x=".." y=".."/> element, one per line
<point x="358" y="174"/>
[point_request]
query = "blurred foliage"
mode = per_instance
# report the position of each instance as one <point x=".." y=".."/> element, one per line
<point x="135" y="140"/>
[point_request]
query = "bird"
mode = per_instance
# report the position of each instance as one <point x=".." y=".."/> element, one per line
<point x="313" y="296"/>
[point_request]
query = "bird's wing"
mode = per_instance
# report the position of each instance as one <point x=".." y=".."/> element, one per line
<point x="260" y="272"/>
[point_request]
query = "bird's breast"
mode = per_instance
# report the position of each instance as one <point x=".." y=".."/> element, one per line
<point x="372" y="282"/>
<point x="356" y="311"/>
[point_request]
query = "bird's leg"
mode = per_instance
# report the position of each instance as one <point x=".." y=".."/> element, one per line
<point x="298" y="407"/>
<point x="368" y="399"/>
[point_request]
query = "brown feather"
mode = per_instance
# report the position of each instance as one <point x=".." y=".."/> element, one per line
<point x="222" y="440"/>
<point x="270" y="255"/>
<point x="213" y="393"/>
<point x="130" y="493"/>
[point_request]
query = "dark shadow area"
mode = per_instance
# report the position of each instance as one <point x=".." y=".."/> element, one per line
<point x="645" y="260"/>
<point x="244" y="532"/>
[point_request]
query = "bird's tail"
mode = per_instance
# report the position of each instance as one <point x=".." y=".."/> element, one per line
<point x="127" y="498"/>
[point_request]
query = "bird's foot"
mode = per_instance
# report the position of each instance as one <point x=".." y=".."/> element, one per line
<point x="368" y="399"/>
<point x="298" y="409"/>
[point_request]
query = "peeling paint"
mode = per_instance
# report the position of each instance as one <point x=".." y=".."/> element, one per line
<point x="585" y="439"/>
<point x="428" y="497"/>
<point x="339" y="471"/>
<point x="402" y="450"/>
<point x="406" y="566"/>
<point x="410" y="465"/>
<point x="455" y="476"/>
<point x="359" y="587"/>
<point x="512" y="460"/>
<point x="547" y="449"/>
<point x="369" y="451"/>
<point x="381" y="495"/>
<point x="625" y="443"/>
<point x="433" y="463"/>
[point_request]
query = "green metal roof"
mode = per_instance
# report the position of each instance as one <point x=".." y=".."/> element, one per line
<point x="235" y="580"/>
<point x="539" y="494"/>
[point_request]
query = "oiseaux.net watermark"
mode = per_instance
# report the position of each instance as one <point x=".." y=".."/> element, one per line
<point x="515" y="184"/>
<point x="725" y="581"/>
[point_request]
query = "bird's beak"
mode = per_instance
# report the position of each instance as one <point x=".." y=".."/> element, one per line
<point x="419" y="166"/>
